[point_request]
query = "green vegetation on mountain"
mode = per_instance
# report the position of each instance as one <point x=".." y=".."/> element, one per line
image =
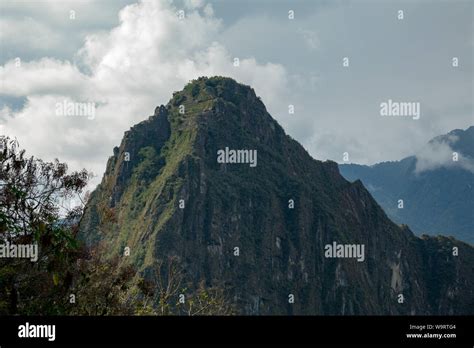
<point x="61" y="276"/>
<point x="238" y="232"/>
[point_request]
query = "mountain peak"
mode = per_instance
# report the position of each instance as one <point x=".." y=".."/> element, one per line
<point x="206" y="93"/>
<point x="257" y="228"/>
<point x="460" y="140"/>
<point x="217" y="87"/>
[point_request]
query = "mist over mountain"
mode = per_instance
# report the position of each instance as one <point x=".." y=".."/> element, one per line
<point x="269" y="233"/>
<point x="436" y="186"/>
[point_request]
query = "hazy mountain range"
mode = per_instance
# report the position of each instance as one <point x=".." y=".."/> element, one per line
<point x="289" y="235"/>
<point x="437" y="188"/>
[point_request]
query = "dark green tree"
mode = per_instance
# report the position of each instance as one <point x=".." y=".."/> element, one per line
<point x="32" y="211"/>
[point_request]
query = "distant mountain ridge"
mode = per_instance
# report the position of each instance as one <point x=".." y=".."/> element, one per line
<point x="438" y="199"/>
<point x="460" y="140"/>
<point x="287" y="236"/>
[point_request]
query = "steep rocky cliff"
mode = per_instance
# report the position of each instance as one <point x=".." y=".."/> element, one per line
<point x="261" y="232"/>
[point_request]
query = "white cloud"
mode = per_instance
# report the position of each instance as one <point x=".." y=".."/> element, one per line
<point x="28" y="32"/>
<point x="130" y="70"/>
<point x="438" y="154"/>
<point x="41" y="77"/>
<point x="34" y="29"/>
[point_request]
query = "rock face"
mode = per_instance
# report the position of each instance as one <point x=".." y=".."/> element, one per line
<point x="436" y="201"/>
<point x="261" y="232"/>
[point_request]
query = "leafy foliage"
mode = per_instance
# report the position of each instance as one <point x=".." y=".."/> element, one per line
<point x="31" y="194"/>
<point x="67" y="278"/>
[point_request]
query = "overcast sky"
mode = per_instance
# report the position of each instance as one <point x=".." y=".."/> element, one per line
<point x="128" y="57"/>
